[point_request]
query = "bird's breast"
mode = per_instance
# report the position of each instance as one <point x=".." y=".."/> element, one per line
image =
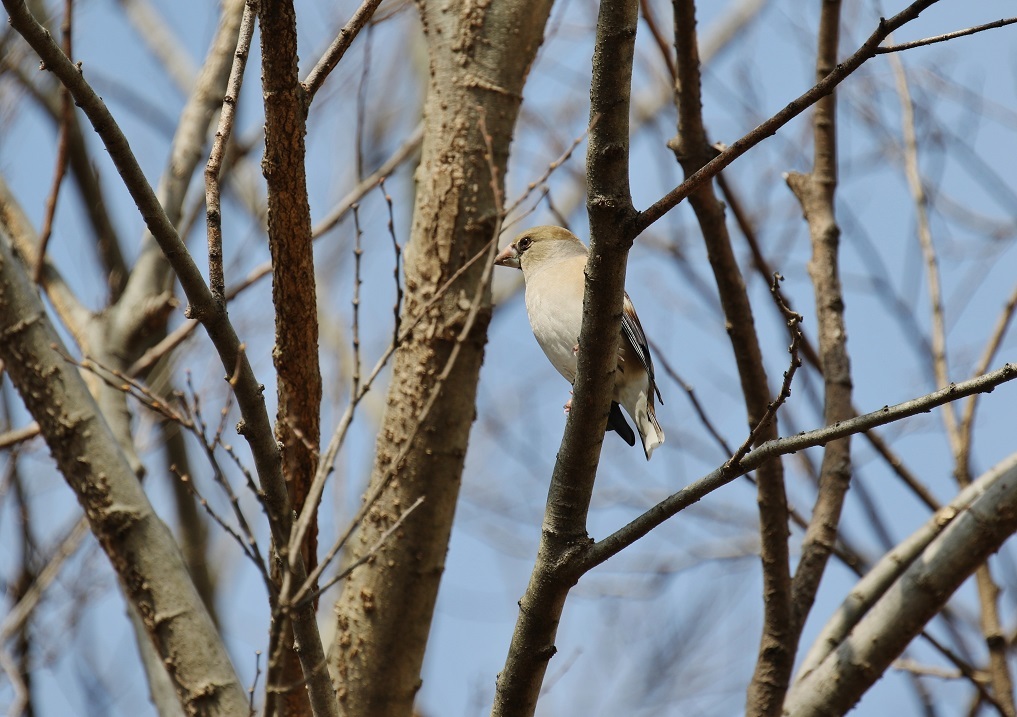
<point x="556" y="319"/>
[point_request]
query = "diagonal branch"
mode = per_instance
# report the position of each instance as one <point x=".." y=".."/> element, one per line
<point x="140" y="547"/>
<point x="768" y="128"/>
<point x="693" y="493"/>
<point x="947" y="36"/>
<point x="901" y="612"/>
<point x="347" y="34"/>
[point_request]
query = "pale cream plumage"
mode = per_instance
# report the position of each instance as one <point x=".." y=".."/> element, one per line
<point x="553" y="262"/>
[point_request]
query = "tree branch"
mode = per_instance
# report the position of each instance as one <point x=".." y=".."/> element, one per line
<point x="816" y="195"/>
<point x="947" y="36"/>
<point x="768" y="128"/>
<point x="295" y="357"/>
<point x="899" y="614"/>
<point x="213" y="168"/>
<point x="347" y="34"/>
<point x="693" y="493"/>
<point x="254" y="424"/>
<point x="692" y="149"/>
<point x="138" y="544"/>
<point x="609" y="204"/>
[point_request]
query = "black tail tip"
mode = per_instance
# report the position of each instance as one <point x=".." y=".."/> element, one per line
<point x="616" y="422"/>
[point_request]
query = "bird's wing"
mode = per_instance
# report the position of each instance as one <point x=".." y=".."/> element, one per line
<point x="633" y="331"/>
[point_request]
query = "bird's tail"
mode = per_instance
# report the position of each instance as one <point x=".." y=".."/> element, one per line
<point x="649" y="430"/>
<point x="616" y="422"/>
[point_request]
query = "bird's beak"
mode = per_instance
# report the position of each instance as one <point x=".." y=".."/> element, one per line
<point x="508" y="257"/>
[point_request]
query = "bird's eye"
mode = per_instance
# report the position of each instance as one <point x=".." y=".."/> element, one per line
<point x="524" y="244"/>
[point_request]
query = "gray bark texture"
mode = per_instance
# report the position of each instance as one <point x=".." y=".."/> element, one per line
<point x="839" y="680"/>
<point x="138" y="544"/>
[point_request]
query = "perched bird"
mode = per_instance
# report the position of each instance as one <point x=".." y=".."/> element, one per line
<point x="553" y="261"/>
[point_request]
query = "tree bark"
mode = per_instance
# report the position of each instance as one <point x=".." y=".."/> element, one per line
<point x="138" y="544"/>
<point x="479" y="57"/>
<point x="295" y="356"/>
<point x="835" y="683"/>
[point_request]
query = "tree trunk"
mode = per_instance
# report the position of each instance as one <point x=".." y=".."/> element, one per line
<point x="479" y="57"/>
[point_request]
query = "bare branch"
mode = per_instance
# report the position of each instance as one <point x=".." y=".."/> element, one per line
<point x="920" y="592"/>
<point x="136" y="541"/>
<point x="66" y="119"/>
<point x="334" y="53"/>
<point x="19" y="435"/>
<point x="768" y="128"/>
<point x="305" y="593"/>
<point x="693" y="493"/>
<point x="692" y="149"/>
<point x="213" y="169"/>
<point x="180" y="334"/>
<point x="609" y="206"/>
<point x="811" y="355"/>
<point x="403" y="153"/>
<point x="947" y="36"/>
<point x="295" y="357"/>
<point x="19" y="613"/>
<point x="816" y="193"/>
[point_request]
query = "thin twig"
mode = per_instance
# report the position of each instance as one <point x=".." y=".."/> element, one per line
<point x="542" y="179"/>
<point x="763" y="268"/>
<point x="794" y="321"/>
<point x="965" y="669"/>
<point x="304" y="594"/>
<point x="254" y="683"/>
<point x="924" y="231"/>
<point x="334" y="53"/>
<point x="213" y="170"/>
<point x="19" y="435"/>
<point x="188" y="482"/>
<point x="339" y="434"/>
<point x="180" y="334"/>
<point x="22" y="610"/>
<point x="193" y="422"/>
<point x="405" y="151"/>
<point x="988" y="356"/>
<point x="248" y="542"/>
<point x="697" y="406"/>
<point x="397" y="309"/>
<point x="365" y="72"/>
<point x="66" y="118"/>
<point x="947" y="36"/>
<point x="357" y="253"/>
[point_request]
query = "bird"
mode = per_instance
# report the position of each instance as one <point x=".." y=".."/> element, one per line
<point x="553" y="262"/>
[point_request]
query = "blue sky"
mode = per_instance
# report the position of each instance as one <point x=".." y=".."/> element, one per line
<point x="671" y="627"/>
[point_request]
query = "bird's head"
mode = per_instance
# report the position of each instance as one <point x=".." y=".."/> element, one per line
<point x="535" y="246"/>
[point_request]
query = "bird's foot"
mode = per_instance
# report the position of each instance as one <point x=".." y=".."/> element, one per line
<point x="568" y="404"/>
